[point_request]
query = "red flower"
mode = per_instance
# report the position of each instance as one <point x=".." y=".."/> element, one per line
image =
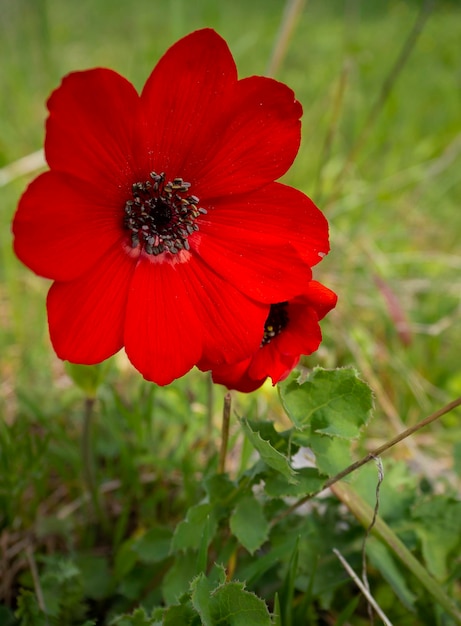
<point x="159" y="220"/>
<point x="291" y="329"/>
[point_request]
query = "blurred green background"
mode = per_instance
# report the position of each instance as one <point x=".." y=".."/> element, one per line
<point x="394" y="213"/>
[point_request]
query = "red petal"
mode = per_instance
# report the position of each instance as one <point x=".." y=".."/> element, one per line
<point x="270" y="362"/>
<point x="63" y="226"/>
<point x="259" y="137"/>
<point x="261" y="263"/>
<point x="233" y="323"/>
<point x="319" y="297"/>
<point x="181" y="100"/>
<point x="86" y="316"/>
<point x="163" y="333"/>
<point x="236" y="377"/>
<point x="274" y="213"/>
<point x="180" y="313"/>
<point x="92" y="128"/>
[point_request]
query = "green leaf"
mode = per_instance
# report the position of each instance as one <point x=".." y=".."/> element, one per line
<point x="87" y="377"/>
<point x="177" y="580"/>
<point x="249" y="524"/>
<point x="309" y="481"/>
<point x="179" y="614"/>
<point x="189" y="532"/>
<point x="232" y="605"/>
<point x="28" y="611"/>
<point x="439" y="529"/>
<point x="154" y="545"/>
<point x="280" y="440"/>
<point x="138" y="618"/>
<point x="200" y="596"/>
<point x="330" y="402"/>
<point x="331" y="454"/>
<point x="97" y="581"/>
<point x="279" y="462"/>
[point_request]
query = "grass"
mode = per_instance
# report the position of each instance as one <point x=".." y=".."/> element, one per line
<point x="395" y="264"/>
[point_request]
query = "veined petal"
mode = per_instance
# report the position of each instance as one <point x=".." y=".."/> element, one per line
<point x="163" y="332"/>
<point x="64" y="225"/>
<point x="92" y="128"/>
<point x="86" y="315"/>
<point x="266" y="269"/>
<point x="233" y="323"/>
<point x="181" y="314"/>
<point x="259" y="135"/>
<point x="182" y="99"/>
<point x="276" y="214"/>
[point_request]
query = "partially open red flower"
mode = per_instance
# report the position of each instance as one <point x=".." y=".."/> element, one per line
<point x="159" y="220"/>
<point x="291" y="329"/>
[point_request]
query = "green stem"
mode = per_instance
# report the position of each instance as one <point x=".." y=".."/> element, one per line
<point x="225" y="433"/>
<point x="364" y="514"/>
<point x="88" y="464"/>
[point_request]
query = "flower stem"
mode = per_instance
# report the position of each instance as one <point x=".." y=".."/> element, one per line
<point x="363" y="512"/>
<point x="225" y="433"/>
<point x="88" y="464"/>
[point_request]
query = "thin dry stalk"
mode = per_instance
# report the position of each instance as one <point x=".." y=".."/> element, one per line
<point x="293" y="9"/>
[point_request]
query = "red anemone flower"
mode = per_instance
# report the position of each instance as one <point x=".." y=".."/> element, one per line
<point x="159" y="220"/>
<point x="291" y="329"/>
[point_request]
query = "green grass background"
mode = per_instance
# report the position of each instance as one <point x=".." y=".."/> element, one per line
<point x="396" y="214"/>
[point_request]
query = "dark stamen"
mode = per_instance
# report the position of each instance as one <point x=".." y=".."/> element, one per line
<point x="276" y="321"/>
<point x="160" y="215"/>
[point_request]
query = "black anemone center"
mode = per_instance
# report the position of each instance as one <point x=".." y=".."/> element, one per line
<point x="276" y="321"/>
<point x="160" y="216"/>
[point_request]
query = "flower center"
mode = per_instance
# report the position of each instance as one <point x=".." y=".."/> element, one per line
<point x="161" y="216"/>
<point x="276" y="321"/>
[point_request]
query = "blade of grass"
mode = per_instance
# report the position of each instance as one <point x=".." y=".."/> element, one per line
<point x="293" y="9"/>
<point x="386" y="88"/>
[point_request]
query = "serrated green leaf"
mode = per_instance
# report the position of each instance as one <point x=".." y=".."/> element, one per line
<point x="179" y="614"/>
<point x="28" y="611"/>
<point x="280" y="440"/>
<point x="139" y="617"/>
<point x="279" y="462"/>
<point x="189" y="532"/>
<point x="154" y="545"/>
<point x="249" y="524"/>
<point x="331" y="402"/>
<point x="200" y="597"/>
<point x="232" y="605"/>
<point x="309" y="481"/>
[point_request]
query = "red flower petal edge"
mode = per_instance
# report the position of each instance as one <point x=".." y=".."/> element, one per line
<point x="291" y="329"/>
<point x="160" y="219"/>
